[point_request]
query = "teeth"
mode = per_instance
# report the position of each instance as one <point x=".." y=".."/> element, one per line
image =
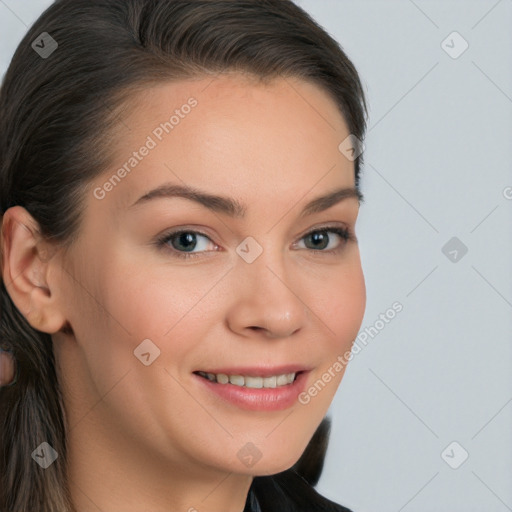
<point x="221" y="378"/>
<point x="237" y="380"/>
<point x="251" y="382"/>
<point x="269" y="382"/>
<point x="282" y="380"/>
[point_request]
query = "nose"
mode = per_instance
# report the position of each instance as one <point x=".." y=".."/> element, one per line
<point x="266" y="300"/>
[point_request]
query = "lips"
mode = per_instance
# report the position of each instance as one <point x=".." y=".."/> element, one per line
<point x="271" y="396"/>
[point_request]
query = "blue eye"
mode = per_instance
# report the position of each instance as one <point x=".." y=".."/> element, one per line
<point x="321" y="240"/>
<point x="183" y="242"/>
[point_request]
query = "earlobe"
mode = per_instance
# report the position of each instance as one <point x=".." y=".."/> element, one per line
<point x="25" y="265"/>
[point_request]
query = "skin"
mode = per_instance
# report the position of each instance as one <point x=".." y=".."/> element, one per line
<point x="6" y="360"/>
<point x="150" y="437"/>
<point x="6" y="369"/>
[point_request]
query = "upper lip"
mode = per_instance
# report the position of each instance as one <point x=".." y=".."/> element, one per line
<point x="259" y="371"/>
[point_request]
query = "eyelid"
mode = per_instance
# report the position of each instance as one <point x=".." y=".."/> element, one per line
<point x="343" y="231"/>
<point x="325" y="227"/>
<point x="347" y="235"/>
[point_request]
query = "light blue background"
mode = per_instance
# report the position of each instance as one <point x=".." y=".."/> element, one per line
<point x="438" y="159"/>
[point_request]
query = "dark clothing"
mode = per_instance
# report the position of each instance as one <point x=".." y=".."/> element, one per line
<point x="287" y="492"/>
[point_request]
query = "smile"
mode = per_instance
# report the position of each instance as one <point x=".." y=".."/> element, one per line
<point x="274" y="381"/>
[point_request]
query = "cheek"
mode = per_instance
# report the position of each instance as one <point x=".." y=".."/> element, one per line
<point x="341" y="306"/>
<point x="161" y="303"/>
<point x="352" y="302"/>
<point x="148" y="300"/>
<point x="144" y="306"/>
<point x="340" y="311"/>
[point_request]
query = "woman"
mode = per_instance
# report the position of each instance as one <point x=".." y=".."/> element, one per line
<point x="179" y="187"/>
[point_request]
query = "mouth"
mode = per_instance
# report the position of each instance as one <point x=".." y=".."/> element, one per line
<point x="278" y="380"/>
<point x="253" y="388"/>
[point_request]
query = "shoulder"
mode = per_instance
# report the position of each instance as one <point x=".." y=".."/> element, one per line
<point x="289" y="492"/>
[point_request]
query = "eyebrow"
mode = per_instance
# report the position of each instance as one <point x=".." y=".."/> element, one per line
<point x="234" y="208"/>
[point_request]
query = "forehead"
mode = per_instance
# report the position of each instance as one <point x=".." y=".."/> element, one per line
<point x="231" y="133"/>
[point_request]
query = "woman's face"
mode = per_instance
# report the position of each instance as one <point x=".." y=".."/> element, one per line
<point x="258" y="295"/>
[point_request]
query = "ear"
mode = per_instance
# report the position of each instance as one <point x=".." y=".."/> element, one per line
<point x="27" y="260"/>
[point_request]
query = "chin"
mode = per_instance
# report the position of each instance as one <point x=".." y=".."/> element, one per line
<point x="271" y="464"/>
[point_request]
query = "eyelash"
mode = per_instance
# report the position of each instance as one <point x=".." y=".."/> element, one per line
<point x="344" y="233"/>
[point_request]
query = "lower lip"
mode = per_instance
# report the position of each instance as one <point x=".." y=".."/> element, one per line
<point x="258" y="399"/>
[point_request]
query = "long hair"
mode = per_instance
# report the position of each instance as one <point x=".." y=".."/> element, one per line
<point x="60" y="106"/>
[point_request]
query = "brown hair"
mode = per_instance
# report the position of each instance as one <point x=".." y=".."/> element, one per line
<point x="56" y="116"/>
